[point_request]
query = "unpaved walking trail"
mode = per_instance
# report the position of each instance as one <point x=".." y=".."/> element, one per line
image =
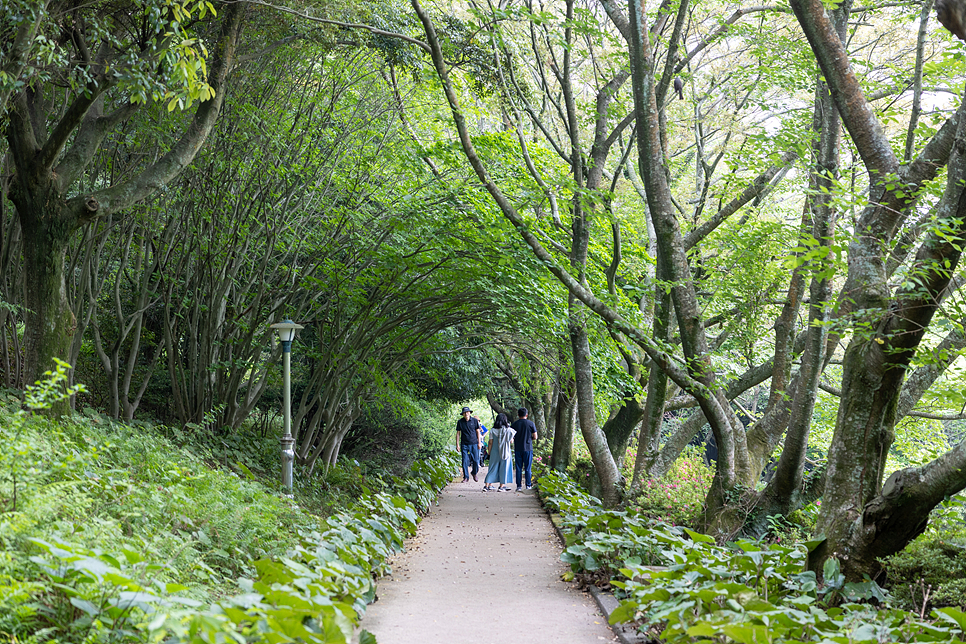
<point x="484" y="568"/>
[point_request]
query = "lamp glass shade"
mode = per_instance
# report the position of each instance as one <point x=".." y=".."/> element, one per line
<point x="286" y="330"/>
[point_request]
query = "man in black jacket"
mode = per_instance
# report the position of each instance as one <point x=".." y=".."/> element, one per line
<point x="471" y="438"/>
<point x="523" y="447"/>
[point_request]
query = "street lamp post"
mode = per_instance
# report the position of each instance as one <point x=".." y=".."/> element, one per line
<point x="286" y="330"/>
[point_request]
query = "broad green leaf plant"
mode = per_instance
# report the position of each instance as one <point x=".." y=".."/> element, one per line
<point x="679" y="586"/>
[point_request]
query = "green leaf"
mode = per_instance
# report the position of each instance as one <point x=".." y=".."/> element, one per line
<point x="815" y="543"/>
<point x="697" y="537"/>
<point x="748" y="633"/>
<point x="625" y="612"/>
<point x="953" y="615"/>
<point x="830" y="570"/>
<point x="703" y="629"/>
<point x="85" y="606"/>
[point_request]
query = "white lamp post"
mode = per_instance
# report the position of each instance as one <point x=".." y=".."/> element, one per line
<point x="286" y="330"/>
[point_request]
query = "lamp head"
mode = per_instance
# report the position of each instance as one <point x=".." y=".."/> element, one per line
<point x="286" y="330"/>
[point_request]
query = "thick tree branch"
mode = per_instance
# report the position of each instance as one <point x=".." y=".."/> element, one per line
<point x="934" y="155"/>
<point x="183" y="152"/>
<point x="900" y="512"/>
<point x="74" y="116"/>
<point x="89" y="137"/>
<point x="20" y="133"/>
<point x="857" y="114"/>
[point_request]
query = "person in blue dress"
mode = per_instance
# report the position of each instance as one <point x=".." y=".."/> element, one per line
<point x="501" y="455"/>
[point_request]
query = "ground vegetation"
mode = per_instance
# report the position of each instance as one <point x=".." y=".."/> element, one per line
<point x="119" y="532"/>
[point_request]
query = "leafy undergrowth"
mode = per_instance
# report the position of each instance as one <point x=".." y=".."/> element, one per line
<point x="931" y="571"/>
<point x="676" y="498"/>
<point x="678" y="585"/>
<point x="110" y="533"/>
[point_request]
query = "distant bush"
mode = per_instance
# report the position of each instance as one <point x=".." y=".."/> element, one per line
<point x="392" y="437"/>
<point x="581" y="471"/>
<point x="677" y="498"/>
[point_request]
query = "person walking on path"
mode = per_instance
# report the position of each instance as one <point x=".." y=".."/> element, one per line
<point x="526" y="433"/>
<point x="471" y="439"/>
<point x="501" y="455"/>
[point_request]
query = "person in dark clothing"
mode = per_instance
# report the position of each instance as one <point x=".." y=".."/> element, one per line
<point x="471" y="438"/>
<point x="523" y="447"/>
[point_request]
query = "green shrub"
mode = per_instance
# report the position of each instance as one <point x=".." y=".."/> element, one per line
<point x="581" y="470"/>
<point x="931" y="571"/>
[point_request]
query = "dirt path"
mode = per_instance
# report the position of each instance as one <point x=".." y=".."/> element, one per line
<point x="484" y="568"/>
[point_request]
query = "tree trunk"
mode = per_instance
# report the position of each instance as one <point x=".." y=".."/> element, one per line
<point x="860" y="523"/>
<point x="619" y="428"/>
<point x="563" y="436"/>
<point x="649" y="440"/>
<point x="47" y="226"/>
<point x="604" y="464"/>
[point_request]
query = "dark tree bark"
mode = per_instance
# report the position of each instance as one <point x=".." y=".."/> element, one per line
<point x="649" y="440"/>
<point x="621" y="426"/>
<point x="563" y="437"/>
<point x="11" y="292"/>
<point x="604" y="464"/>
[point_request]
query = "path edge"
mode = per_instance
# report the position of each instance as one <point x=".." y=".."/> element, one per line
<point x="605" y="601"/>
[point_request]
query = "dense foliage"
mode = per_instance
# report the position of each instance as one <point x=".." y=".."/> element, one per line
<point x="677" y="584"/>
<point x="931" y="571"/>
<point x="112" y="533"/>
